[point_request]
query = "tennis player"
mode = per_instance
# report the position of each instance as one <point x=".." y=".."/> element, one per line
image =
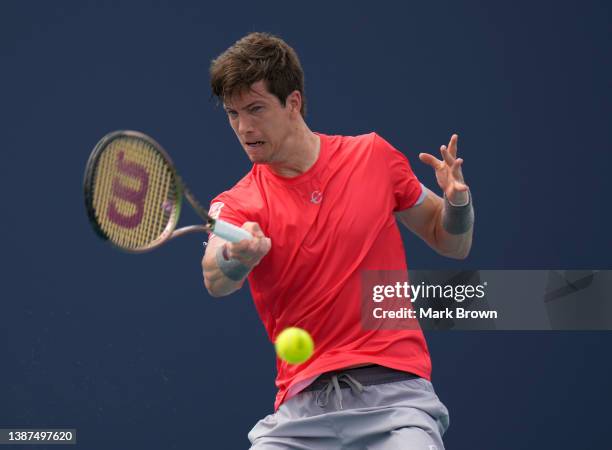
<point x="322" y="209"/>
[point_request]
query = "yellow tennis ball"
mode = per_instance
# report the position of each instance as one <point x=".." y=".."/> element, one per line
<point x="294" y="345"/>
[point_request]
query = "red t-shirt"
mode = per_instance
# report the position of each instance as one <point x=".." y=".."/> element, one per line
<point x="327" y="226"/>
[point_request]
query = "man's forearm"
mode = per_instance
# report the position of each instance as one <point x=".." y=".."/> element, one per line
<point x="454" y="228"/>
<point x="223" y="276"/>
<point x="227" y="264"/>
<point x="218" y="284"/>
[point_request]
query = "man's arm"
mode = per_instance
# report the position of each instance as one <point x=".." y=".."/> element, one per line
<point x="225" y="265"/>
<point x="430" y="221"/>
<point x="446" y="224"/>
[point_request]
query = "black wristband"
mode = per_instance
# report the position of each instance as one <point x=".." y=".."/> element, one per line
<point x="232" y="269"/>
<point x="457" y="219"/>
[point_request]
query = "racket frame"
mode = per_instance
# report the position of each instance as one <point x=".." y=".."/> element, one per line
<point x="226" y="230"/>
<point x="90" y="179"/>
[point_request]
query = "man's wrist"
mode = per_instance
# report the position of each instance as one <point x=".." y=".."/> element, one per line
<point x="464" y="200"/>
<point x="231" y="268"/>
<point x="457" y="219"/>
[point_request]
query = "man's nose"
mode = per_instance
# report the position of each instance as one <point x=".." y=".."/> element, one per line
<point x="244" y="126"/>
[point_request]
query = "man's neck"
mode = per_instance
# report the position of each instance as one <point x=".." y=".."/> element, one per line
<point x="301" y="153"/>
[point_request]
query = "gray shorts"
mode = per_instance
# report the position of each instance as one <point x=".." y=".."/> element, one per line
<point x="398" y="415"/>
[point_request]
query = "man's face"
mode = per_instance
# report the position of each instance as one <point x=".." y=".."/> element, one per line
<point x="260" y="122"/>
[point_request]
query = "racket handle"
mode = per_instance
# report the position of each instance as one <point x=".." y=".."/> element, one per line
<point x="230" y="232"/>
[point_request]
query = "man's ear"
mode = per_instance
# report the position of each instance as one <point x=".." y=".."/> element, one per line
<point x="294" y="101"/>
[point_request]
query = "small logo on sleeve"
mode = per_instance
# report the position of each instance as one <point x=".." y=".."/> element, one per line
<point x="215" y="209"/>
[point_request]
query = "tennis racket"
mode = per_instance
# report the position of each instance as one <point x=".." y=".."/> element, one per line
<point x="133" y="195"/>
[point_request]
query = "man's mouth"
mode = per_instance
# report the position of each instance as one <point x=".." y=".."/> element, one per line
<point x="254" y="144"/>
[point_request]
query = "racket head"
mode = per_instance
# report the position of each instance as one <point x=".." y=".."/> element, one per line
<point x="133" y="194"/>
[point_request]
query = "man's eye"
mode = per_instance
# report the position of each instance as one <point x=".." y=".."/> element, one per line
<point x="232" y="114"/>
<point x="255" y="109"/>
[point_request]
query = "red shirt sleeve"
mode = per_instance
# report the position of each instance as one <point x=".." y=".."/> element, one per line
<point x="405" y="185"/>
<point x="224" y="207"/>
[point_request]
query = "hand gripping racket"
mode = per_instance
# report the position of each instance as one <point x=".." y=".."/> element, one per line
<point x="133" y="195"/>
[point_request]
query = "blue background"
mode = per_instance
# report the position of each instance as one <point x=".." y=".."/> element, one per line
<point x="132" y="351"/>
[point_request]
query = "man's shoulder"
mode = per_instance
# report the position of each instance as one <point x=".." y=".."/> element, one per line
<point x="351" y="144"/>
<point x="359" y="146"/>
<point x="243" y="202"/>
<point x="243" y="189"/>
<point x="342" y="139"/>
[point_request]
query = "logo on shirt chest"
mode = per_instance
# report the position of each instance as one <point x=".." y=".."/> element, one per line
<point x="316" y="197"/>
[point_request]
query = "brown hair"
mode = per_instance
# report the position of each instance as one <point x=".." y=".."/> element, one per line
<point x="255" y="57"/>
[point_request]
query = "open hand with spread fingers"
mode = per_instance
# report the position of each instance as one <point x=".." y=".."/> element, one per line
<point x="448" y="172"/>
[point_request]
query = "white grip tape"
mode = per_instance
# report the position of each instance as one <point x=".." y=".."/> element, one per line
<point x="230" y="232"/>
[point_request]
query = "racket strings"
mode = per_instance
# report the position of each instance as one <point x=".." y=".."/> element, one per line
<point x="152" y="220"/>
<point x="135" y="195"/>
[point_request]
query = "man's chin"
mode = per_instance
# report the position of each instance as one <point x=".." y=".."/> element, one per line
<point x="257" y="157"/>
